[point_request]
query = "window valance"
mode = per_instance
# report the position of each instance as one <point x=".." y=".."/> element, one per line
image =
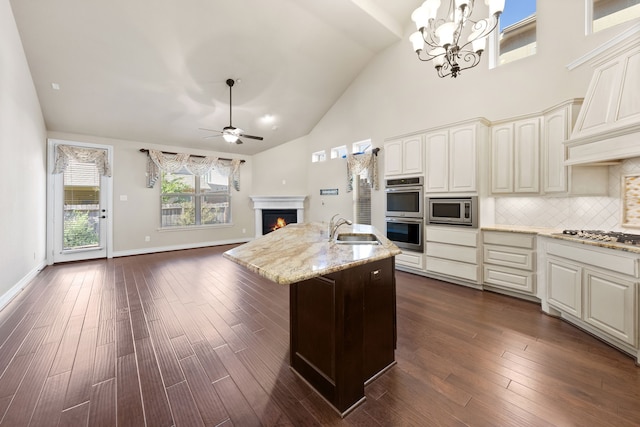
<point x="365" y="165"/>
<point x="64" y="153"/>
<point x="158" y="161"/>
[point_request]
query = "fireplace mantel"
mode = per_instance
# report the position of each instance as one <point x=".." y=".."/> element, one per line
<point x="276" y="202"/>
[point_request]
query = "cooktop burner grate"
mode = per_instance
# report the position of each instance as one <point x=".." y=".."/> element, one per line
<point x="605" y="236"/>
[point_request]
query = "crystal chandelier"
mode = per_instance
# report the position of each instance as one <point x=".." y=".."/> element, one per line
<point x="453" y="41"/>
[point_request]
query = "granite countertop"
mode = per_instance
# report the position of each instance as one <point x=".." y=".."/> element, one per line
<point x="303" y="251"/>
<point x="557" y="234"/>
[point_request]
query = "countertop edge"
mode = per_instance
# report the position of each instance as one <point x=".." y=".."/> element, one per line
<point x="557" y="234"/>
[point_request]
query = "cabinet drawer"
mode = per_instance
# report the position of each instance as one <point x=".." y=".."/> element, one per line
<point x="608" y="259"/>
<point x="411" y="259"/>
<point x="452" y="252"/>
<point x="457" y="269"/>
<point x="510" y="278"/>
<point x="519" y="240"/>
<point x="453" y="236"/>
<point x="509" y="257"/>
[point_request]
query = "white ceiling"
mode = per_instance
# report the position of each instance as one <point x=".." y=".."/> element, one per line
<point x="154" y="70"/>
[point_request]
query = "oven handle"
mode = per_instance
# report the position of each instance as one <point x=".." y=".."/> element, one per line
<point x="411" y="220"/>
<point x="402" y="189"/>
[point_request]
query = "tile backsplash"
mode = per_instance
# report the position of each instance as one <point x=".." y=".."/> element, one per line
<point x="570" y="212"/>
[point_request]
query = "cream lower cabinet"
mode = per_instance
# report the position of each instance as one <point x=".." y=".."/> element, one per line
<point x="509" y="261"/>
<point x="596" y="288"/>
<point x="452" y="253"/>
<point x="409" y="261"/>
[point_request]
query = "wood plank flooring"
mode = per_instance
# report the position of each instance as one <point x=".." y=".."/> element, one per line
<point x="188" y="338"/>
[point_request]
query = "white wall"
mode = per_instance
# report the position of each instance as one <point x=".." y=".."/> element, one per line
<point x="22" y="165"/>
<point x="139" y="216"/>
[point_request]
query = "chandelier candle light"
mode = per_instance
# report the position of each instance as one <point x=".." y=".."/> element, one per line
<point x="441" y="38"/>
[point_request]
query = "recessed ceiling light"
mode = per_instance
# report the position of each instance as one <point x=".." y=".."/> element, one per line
<point x="268" y="118"/>
<point x="55" y="86"/>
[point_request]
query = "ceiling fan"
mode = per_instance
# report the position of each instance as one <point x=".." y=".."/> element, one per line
<point x="230" y="133"/>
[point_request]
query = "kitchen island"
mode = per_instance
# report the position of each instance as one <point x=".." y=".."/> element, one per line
<point x="342" y="304"/>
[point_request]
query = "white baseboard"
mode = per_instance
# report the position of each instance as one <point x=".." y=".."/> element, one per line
<point x="143" y="251"/>
<point x="21" y="285"/>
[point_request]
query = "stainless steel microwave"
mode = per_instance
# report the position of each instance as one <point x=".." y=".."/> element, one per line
<point x="462" y="211"/>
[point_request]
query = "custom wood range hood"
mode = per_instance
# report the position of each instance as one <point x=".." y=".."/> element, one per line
<point x="608" y="126"/>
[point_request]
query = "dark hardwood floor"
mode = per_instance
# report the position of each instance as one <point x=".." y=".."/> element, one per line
<point x="188" y="338"/>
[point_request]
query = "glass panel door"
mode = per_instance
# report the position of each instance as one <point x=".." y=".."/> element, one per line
<point x="79" y="220"/>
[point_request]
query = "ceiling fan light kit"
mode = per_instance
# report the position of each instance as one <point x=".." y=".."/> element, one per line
<point x="230" y="133"/>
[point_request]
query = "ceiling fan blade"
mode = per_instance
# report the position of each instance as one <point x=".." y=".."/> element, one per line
<point x="211" y="136"/>
<point x="244" y="135"/>
<point x="210" y="130"/>
<point x="239" y="141"/>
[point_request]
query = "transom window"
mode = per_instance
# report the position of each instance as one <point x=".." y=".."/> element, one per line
<point x="188" y="200"/>
<point x="603" y="14"/>
<point x="517" y="36"/>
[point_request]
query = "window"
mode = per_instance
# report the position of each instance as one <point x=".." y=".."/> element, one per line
<point x="189" y="200"/>
<point x="517" y="36"/>
<point x="603" y="14"/>
<point x="318" y="156"/>
<point x="361" y="189"/>
<point x="362" y="146"/>
<point x="339" y="152"/>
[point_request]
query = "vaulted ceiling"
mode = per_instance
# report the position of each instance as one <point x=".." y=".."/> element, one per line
<point x="154" y="70"/>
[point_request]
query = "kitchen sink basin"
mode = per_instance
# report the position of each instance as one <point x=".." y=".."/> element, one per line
<point x="357" y="239"/>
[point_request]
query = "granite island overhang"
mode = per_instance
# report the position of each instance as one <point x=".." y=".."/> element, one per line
<point x="342" y="304"/>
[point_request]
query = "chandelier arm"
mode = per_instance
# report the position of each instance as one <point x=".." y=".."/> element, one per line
<point x="484" y="28"/>
<point x="427" y="56"/>
<point x="470" y="58"/>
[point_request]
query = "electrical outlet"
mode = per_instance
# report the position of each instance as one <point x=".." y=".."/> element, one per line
<point x="147" y="238"/>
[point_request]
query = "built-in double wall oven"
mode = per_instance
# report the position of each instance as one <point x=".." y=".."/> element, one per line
<point x="405" y="212"/>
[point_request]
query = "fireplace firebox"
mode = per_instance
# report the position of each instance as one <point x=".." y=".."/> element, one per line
<point x="273" y="219"/>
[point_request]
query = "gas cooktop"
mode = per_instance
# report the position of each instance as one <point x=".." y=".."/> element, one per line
<point x="605" y="236"/>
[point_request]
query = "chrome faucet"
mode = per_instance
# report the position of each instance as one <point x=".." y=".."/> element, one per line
<point x="334" y="227"/>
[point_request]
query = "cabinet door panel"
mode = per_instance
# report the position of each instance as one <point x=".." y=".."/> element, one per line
<point x="502" y="159"/>
<point x="610" y="305"/>
<point x="526" y="154"/>
<point x="437" y="154"/>
<point x="554" y="153"/>
<point x="393" y="158"/>
<point x="462" y="159"/>
<point x="564" y="286"/>
<point x="412" y="156"/>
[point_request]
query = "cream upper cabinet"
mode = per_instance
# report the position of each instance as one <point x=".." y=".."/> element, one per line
<point x="515" y="157"/>
<point x="557" y="178"/>
<point x="556" y="129"/>
<point x="451" y="158"/>
<point x="437" y="159"/>
<point x="404" y="156"/>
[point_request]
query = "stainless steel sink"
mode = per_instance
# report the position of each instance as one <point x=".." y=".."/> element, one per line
<point x="357" y="239"/>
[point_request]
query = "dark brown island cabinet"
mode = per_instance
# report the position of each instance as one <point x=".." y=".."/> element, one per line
<point x="343" y="330"/>
<point x="342" y="303"/>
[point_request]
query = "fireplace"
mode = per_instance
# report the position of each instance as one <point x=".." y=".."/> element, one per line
<point x="272" y="219"/>
<point x="291" y="206"/>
